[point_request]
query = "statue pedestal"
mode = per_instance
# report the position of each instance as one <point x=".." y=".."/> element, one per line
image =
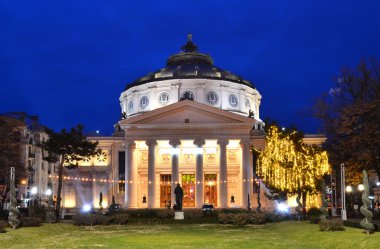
<point x="179" y="215"/>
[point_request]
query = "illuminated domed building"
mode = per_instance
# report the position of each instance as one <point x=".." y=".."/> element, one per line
<point x="190" y="123"/>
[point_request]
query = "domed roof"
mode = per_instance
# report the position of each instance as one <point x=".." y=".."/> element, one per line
<point x="189" y="64"/>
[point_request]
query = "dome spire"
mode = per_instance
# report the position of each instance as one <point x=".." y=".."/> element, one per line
<point x="190" y="47"/>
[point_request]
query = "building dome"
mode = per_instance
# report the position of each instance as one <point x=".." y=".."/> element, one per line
<point x="189" y="63"/>
<point x="192" y="75"/>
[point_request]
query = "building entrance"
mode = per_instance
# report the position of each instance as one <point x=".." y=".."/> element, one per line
<point x="188" y="186"/>
<point x="165" y="190"/>
<point x="210" y="189"/>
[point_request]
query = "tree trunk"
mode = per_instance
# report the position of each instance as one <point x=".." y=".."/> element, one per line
<point x="304" y="194"/>
<point x="59" y="190"/>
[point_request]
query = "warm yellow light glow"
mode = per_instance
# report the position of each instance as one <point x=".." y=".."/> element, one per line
<point x="69" y="202"/>
<point x="348" y="188"/>
<point x="289" y="166"/>
<point x="361" y="187"/>
<point x="233" y="144"/>
<point x="23" y="182"/>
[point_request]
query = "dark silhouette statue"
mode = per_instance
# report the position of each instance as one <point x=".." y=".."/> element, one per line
<point x="178" y="197"/>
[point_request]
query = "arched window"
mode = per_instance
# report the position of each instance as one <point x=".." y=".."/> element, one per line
<point x="164" y="98"/>
<point x="232" y="99"/>
<point x="130" y="106"/>
<point x="188" y="95"/>
<point x="144" y="102"/>
<point x="212" y="98"/>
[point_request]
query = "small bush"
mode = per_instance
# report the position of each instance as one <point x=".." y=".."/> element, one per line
<point x="331" y="225"/>
<point x="276" y="217"/>
<point x="31" y="221"/>
<point x="3" y="225"/>
<point x="118" y="219"/>
<point x="314" y="215"/>
<point x="4" y="214"/>
<point x="241" y="218"/>
<point x="90" y="219"/>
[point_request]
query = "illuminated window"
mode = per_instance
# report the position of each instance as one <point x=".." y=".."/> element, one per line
<point x="233" y="100"/>
<point x="144" y="102"/>
<point x="212" y="97"/>
<point x="164" y="98"/>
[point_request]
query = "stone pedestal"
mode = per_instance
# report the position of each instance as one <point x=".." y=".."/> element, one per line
<point x="179" y="215"/>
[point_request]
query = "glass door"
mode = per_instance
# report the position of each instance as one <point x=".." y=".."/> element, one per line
<point x="210" y="189"/>
<point x="188" y="186"/>
<point x="165" y="191"/>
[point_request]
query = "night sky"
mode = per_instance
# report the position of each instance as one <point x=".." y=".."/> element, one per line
<point x="69" y="61"/>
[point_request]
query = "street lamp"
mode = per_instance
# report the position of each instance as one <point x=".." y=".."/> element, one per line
<point x="34" y="190"/>
<point x="361" y="187"/>
<point x="349" y="189"/>
<point x="343" y="192"/>
<point x="48" y="192"/>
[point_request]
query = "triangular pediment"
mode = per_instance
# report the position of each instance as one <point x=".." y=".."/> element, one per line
<point x="188" y="112"/>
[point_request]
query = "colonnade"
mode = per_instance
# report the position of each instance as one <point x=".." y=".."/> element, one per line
<point x="131" y="173"/>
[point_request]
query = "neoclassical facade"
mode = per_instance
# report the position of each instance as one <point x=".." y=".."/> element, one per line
<point x="190" y="123"/>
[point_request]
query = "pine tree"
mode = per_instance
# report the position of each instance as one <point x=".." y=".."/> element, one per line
<point x="67" y="148"/>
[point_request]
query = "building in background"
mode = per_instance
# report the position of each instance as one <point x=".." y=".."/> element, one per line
<point x="39" y="180"/>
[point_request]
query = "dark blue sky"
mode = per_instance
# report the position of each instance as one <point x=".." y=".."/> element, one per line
<point x="68" y="61"/>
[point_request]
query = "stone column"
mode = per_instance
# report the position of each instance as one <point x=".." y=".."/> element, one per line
<point x="222" y="202"/>
<point x="199" y="176"/>
<point x="246" y="172"/>
<point x="130" y="185"/>
<point x="175" y="143"/>
<point x="151" y="172"/>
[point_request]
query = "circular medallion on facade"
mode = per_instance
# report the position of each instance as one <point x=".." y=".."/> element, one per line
<point x="233" y="100"/>
<point x="210" y="158"/>
<point x="188" y="158"/>
<point x="212" y="98"/>
<point x="164" y="98"/>
<point x="165" y="158"/>
<point x="144" y="156"/>
<point x="130" y="106"/>
<point x="232" y="156"/>
<point x="144" y="102"/>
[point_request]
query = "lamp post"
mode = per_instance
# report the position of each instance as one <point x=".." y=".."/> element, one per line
<point x="343" y="192"/>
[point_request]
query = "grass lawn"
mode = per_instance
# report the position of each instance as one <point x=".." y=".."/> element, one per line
<point x="276" y="235"/>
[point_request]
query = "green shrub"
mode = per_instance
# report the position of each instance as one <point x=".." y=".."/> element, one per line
<point x="118" y="219"/>
<point x="143" y="213"/>
<point x="276" y="217"/>
<point x="314" y="215"/>
<point x="233" y="210"/>
<point x="3" y="225"/>
<point x="89" y="219"/>
<point x="331" y="225"/>
<point x="31" y="221"/>
<point x="242" y="218"/>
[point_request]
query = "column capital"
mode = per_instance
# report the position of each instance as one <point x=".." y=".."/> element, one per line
<point x="245" y="142"/>
<point x="151" y="142"/>
<point x="199" y="142"/>
<point x="223" y="141"/>
<point x="129" y="144"/>
<point x="175" y="142"/>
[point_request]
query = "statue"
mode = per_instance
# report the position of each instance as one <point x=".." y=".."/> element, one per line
<point x="178" y="197"/>
<point x="251" y="114"/>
